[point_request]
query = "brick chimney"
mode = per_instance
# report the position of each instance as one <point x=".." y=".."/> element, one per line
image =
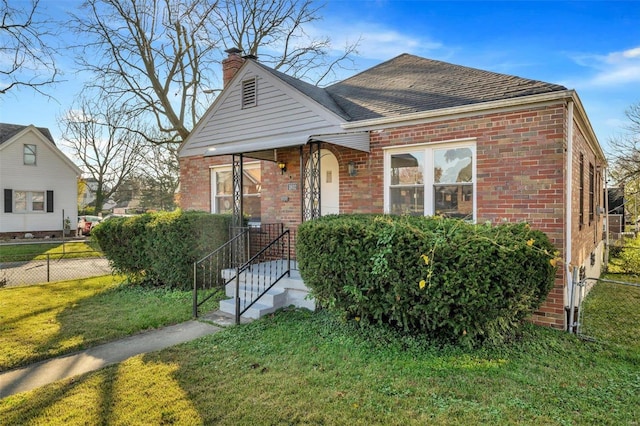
<point x="231" y="65"/>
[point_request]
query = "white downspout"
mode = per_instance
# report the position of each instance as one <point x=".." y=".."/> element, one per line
<point x="606" y="219"/>
<point x="568" y="212"/>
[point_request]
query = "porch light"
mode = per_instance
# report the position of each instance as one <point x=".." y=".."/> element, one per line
<point x="352" y="168"/>
<point x="282" y="166"/>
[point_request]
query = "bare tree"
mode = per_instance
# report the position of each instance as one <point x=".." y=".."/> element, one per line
<point x="275" y="31"/>
<point x="153" y="57"/>
<point x="97" y="135"/>
<point x="624" y="152"/>
<point x="158" y="57"/>
<point x="625" y="148"/>
<point x="160" y="173"/>
<point x="25" y="59"/>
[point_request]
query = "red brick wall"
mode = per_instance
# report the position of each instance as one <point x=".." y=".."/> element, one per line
<point x="195" y="181"/>
<point x="520" y="177"/>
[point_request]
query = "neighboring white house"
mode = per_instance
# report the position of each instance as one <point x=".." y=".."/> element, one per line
<point x="38" y="183"/>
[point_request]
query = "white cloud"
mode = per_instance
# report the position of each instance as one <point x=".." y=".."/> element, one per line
<point x="632" y="53"/>
<point x="376" y="42"/>
<point x="613" y="69"/>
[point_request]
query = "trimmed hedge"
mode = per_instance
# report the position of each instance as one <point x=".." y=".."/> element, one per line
<point x="160" y="248"/>
<point x="445" y="278"/>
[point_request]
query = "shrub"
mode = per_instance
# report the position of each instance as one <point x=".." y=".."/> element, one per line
<point x="160" y="248"/>
<point x="628" y="255"/>
<point x="442" y="277"/>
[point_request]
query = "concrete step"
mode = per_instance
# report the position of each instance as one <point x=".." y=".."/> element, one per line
<point x="256" y="311"/>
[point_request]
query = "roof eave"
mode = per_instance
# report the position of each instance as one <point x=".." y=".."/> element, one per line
<point x="475" y="108"/>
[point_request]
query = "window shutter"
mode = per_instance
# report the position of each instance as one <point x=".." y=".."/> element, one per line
<point x="8" y="200"/>
<point x="49" y="201"/>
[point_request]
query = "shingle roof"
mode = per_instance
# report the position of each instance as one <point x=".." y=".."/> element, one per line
<point x="316" y="93"/>
<point x="7" y="131"/>
<point x="408" y="84"/>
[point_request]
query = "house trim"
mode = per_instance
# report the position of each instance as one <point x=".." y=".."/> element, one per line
<point x="501" y="106"/>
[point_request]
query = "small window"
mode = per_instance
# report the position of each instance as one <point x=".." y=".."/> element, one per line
<point x="592" y="202"/>
<point x="581" y="192"/>
<point x="37" y="201"/>
<point x="249" y="93"/>
<point x="222" y="190"/>
<point x="29" y="155"/>
<point x="29" y="201"/>
<point x="20" y="201"/>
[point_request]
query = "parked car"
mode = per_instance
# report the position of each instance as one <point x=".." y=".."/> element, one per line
<point x="87" y="223"/>
<point x="109" y="216"/>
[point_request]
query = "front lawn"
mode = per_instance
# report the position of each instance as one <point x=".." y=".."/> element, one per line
<point x="46" y="320"/>
<point x="295" y="367"/>
<point x="56" y="250"/>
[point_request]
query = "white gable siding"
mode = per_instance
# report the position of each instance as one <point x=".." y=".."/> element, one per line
<point x="281" y="112"/>
<point x="51" y="173"/>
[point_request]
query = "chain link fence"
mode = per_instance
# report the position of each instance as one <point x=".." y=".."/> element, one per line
<point x="609" y="306"/>
<point x="16" y="270"/>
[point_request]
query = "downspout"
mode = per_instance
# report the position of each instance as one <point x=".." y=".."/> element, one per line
<point x="569" y="213"/>
<point x="606" y="220"/>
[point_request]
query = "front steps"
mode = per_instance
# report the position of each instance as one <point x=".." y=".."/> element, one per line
<point x="290" y="290"/>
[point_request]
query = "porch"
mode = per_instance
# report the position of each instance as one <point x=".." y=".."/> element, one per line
<point x="256" y="270"/>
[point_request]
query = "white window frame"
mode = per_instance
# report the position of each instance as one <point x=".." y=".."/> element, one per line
<point x="33" y="148"/>
<point x="228" y="168"/>
<point x="29" y="196"/>
<point x="428" y="178"/>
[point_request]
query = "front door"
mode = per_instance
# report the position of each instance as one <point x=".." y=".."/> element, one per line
<point x="329" y="183"/>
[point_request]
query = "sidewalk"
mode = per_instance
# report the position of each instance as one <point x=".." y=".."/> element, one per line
<point x="51" y="370"/>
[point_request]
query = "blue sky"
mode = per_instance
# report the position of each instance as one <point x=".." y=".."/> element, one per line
<point x="592" y="47"/>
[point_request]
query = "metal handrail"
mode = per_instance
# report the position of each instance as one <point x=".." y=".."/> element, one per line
<point x="229" y="248"/>
<point x="258" y="258"/>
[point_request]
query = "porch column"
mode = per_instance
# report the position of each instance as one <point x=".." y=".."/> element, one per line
<point x="239" y="246"/>
<point x="310" y="181"/>
<point x="237" y="191"/>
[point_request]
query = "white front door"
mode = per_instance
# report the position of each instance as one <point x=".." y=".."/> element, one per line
<point x="329" y="183"/>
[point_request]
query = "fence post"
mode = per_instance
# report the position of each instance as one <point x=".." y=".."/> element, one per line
<point x="195" y="290"/>
<point x="574" y="278"/>
<point x="48" y="274"/>
<point x="237" y="295"/>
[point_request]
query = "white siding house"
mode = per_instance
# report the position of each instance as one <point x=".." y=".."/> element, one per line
<point x="38" y="183"/>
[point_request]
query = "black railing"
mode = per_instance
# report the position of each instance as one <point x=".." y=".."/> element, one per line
<point x="246" y="245"/>
<point x="208" y="279"/>
<point x="262" y="272"/>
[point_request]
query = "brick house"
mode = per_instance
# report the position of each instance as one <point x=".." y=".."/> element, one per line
<point x="408" y="136"/>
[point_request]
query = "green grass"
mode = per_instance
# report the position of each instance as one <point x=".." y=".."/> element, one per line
<point x="295" y="367"/>
<point x="611" y="310"/>
<point x="27" y="252"/>
<point x="46" y="320"/>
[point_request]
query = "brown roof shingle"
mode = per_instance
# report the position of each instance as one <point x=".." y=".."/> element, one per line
<point x="408" y="84"/>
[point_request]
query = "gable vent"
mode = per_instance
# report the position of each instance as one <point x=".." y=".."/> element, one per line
<point x="249" y="93"/>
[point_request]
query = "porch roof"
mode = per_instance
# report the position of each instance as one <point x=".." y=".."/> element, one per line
<point x="263" y="149"/>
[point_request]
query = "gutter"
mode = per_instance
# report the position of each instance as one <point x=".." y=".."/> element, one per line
<point x="482" y="107"/>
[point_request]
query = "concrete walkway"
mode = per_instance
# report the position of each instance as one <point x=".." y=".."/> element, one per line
<point x="51" y="370"/>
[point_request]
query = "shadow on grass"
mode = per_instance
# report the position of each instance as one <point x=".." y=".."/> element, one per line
<point x="79" y="314"/>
